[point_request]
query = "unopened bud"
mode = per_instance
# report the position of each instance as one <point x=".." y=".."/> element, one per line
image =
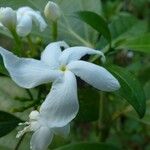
<point x="52" y="11"/>
<point x="8" y="17"/>
<point x="34" y="115"/>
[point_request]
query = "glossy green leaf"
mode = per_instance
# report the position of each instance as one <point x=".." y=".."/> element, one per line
<point x="88" y="146"/>
<point x="7" y="123"/>
<point x="140" y="43"/>
<point x="97" y="22"/>
<point x="89" y="105"/>
<point x="130" y="90"/>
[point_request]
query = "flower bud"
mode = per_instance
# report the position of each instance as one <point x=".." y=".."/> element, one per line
<point x="52" y="11"/>
<point x="34" y="115"/>
<point x="8" y="17"/>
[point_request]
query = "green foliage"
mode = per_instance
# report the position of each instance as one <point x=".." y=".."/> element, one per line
<point x="88" y="146"/>
<point x="97" y="22"/>
<point x="123" y="27"/>
<point x="2" y="68"/>
<point x="7" y="123"/>
<point x="131" y="89"/>
<point x="89" y="105"/>
<point x="140" y="43"/>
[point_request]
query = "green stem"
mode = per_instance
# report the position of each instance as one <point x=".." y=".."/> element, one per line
<point x="54" y="31"/>
<point x="104" y="120"/>
<point x="30" y="43"/>
<point x="17" y="41"/>
<point x="19" y="142"/>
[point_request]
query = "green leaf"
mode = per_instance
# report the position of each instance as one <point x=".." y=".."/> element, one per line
<point x="141" y="43"/>
<point x="2" y="68"/>
<point x="130" y="90"/>
<point x="88" y="146"/>
<point x="7" y="123"/>
<point x="97" y="22"/>
<point x="89" y="105"/>
<point x="122" y="27"/>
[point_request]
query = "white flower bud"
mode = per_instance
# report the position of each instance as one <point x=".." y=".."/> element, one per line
<point x="52" y="11"/>
<point x="34" y="115"/>
<point x="8" y="17"/>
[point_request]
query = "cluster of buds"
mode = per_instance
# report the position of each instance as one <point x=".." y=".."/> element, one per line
<point x="21" y="20"/>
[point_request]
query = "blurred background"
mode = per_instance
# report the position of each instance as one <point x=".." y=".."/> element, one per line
<point x="129" y="25"/>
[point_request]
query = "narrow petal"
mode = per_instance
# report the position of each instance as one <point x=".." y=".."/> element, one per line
<point x="52" y="53"/>
<point x="24" y="25"/>
<point x="75" y="53"/>
<point x="95" y="75"/>
<point x="27" y="72"/>
<point x="38" y="19"/>
<point x="61" y="104"/>
<point x="63" y="131"/>
<point x="41" y="139"/>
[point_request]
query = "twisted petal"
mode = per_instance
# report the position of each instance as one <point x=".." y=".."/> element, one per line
<point x="24" y="25"/>
<point x="38" y="19"/>
<point x="41" y="139"/>
<point x="52" y="52"/>
<point x="75" y="53"/>
<point x="95" y="75"/>
<point x="64" y="131"/>
<point x="27" y="72"/>
<point x="61" y="104"/>
<point x="35" y="16"/>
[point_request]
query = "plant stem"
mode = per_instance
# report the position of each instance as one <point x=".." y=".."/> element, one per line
<point x="30" y="43"/>
<point x="19" y="142"/>
<point x="104" y="118"/>
<point x="17" y="41"/>
<point x="54" y="31"/>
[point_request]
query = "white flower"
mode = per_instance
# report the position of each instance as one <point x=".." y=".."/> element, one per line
<point x="25" y="18"/>
<point x="8" y="18"/>
<point x="43" y="134"/>
<point x="60" y="68"/>
<point x="52" y="11"/>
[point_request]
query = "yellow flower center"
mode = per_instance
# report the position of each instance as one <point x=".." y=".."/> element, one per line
<point x="63" y="68"/>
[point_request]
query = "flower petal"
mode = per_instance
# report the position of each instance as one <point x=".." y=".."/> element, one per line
<point x="24" y="25"/>
<point x="64" y="131"/>
<point x="61" y="104"/>
<point x="38" y="19"/>
<point x="41" y="139"/>
<point x="52" y="52"/>
<point x="95" y="75"/>
<point x="75" y="53"/>
<point x="27" y="72"/>
<point x="35" y="15"/>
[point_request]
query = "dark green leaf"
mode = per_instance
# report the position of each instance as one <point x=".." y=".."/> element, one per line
<point x="89" y="105"/>
<point x="7" y="123"/>
<point x="2" y="68"/>
<point x="97" y="22"/>
<point x="131" y="89"/>
<point x="88" y="146"/>
<point x="141" y="43"/>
